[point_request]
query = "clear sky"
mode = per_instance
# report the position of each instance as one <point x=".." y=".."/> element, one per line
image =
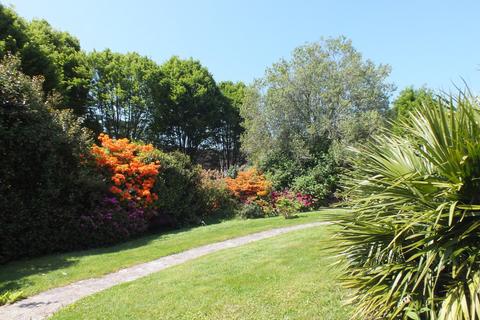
<point x="435" y="43"/>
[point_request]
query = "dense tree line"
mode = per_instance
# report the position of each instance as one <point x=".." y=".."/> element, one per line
<point x="176" y="105"/>
<point x="295" y="123"/>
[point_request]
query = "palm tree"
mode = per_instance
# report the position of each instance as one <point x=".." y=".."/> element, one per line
<point x="412" y="242"/>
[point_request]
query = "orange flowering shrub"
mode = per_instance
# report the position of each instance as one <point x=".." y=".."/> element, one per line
<point x="132" y="179"/>
<point x="249" y="185"/>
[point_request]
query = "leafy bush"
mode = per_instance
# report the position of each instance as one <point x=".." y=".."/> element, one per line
<point x="113" y="221"/>
<point x="219" y="202"/>
<point x="181" y="199"/>
<point x="281" y="170"/>
<point x="43" y="186"/>
<point x="320" y="181"/>
<point x="287" y="207"/>
<point x="411" y="243"/>
<point x="317" y="175"/>
<point x="305" y="201"/>
<point x="267" y="207"/>
<point x="251" y="211"/>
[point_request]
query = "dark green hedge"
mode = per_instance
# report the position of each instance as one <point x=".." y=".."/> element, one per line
<point x="43" y="187"/>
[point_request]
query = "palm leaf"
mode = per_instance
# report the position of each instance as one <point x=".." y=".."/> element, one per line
<point x="412" y="239"/>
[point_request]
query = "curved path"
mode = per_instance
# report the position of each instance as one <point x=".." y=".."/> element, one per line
<point x="46" y="303"/>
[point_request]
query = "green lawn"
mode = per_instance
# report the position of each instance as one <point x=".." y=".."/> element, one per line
<point x="39" y="274"/>
<point x="286" y="277"/>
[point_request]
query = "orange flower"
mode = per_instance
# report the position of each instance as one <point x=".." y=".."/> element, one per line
<point x="121" y="159"/>
<point x="248" y="185"/>
<point x="115" y="190"/>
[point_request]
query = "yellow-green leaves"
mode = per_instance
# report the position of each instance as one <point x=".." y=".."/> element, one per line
<point x="413" y="239"/>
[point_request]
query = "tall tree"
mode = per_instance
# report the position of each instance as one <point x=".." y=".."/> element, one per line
<point x="326" y="95"/>
<point x="12" y="31"/>
<point x="230" y="128"/>
<point x="123" y="92"/>
<point x="65" y="67"/>
<point x="187" y="116"/>
<point x="409" y="100"/>
<point x="50" y="53"/>
<point x="301" y="116"/>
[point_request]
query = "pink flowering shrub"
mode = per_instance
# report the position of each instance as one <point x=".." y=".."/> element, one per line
<point x="287" y="203"/>
<point x="112" y="221"/>
<point x="306" y="201"/>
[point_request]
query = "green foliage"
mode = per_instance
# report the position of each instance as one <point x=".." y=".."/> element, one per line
<point x="62" y="63"/>
<point x="412" y="240"/>
<point x="304" y="105"/>
<point x="312" y="107"/>
<point x="44" y="187"/>
<point x="177" y="106"/>
<point x="317" y="177"/>
<point x="12" y="31"/>
<point x="251" y="211"/>
<point x="229" y="128"/>
<point x="181" y="199"/>
<point x="407" y="102"/>
<point x="187" y="115"/>
<point x="219" y="202"/>
<point x="124" y="90"/>
<point x="53" y="54"/>
<point x="320" y="180"/>
<point x="287" y="207"/>
<point x="281" y="170"/>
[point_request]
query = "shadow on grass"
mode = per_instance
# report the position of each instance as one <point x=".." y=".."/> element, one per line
<point x="14" y="275"/>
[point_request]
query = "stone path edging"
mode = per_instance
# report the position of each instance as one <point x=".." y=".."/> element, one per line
<point x="44" y="304"/>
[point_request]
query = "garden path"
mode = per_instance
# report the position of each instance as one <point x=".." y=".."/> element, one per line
<point x="46" y="303"/>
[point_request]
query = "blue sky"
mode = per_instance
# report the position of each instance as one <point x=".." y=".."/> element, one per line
<point x="433" y="43"/>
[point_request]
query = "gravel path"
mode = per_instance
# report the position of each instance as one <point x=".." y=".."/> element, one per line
<point x="46" y="303"/>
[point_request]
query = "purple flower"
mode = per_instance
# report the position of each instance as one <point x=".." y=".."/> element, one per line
<point x="110" y="200"/>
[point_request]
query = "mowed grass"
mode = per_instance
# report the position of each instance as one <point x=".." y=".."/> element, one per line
<point x="286" y="277"/>
<point x="39" y="274"/>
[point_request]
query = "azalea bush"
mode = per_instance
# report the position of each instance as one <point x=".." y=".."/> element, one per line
<point x="287" y="202"/>
<point x="287" y="207"/>
<point x="112" y="221"/>
<point x="252" y="189"/>
<point x="122" y="162"/>
<point x="129" y="206"/>
<point x="412" y="241"/>
<point x="305" y="201"/>
<point x="267" y="207"/>
<point x="249" y="185"/>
